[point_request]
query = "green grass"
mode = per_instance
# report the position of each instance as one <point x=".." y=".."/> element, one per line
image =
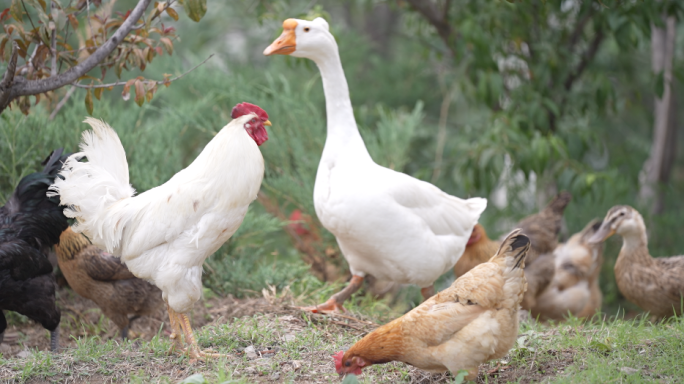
<point x="595" y="351"/>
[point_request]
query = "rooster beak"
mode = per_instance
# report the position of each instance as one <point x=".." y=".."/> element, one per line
<point x="286" y="43"/>
<point x="267" y="123"/>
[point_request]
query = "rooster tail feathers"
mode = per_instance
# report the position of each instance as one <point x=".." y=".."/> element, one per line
<point x="102" y="147"/>
<point x="89" y="190"/>
<point x="515" y="246"/>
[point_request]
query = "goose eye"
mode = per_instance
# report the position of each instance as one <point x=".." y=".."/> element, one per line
<point x="306" y="29"/>
<point x="622" y="213"/>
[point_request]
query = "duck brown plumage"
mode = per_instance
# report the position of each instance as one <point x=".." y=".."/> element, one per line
<point x="654" y="284"/>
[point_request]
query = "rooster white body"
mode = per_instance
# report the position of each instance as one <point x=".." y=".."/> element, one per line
<point x="387" y="224"/>
<point x="164" y="234"/>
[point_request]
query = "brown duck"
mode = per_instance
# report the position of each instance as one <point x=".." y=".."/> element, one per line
<point x="654" y="284"/>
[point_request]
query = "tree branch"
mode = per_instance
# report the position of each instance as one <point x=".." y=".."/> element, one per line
<point x="168" y="4"/>
<point x="93" y="86"/>
<point x="33" y="87"/>
<point x="586" y="59"/>
<point x="61" y="103"/>
<point x="438" y="19"/>
<point x="8" y="78"/>
<point x="579" y="27"/>
<point x="53" y="47"/>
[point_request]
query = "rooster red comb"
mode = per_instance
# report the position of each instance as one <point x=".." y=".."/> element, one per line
<point x="247" y="108"/>
<point x="338" y="360"/>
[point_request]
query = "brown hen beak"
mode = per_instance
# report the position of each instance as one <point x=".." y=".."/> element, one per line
<point x="602" y="233"/>
<point x="286" y="43"/>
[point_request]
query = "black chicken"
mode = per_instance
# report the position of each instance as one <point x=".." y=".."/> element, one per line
<point x="31" y="223"/>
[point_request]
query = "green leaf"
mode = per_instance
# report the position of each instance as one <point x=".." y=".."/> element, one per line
<point x="600" y="346"/>
<point x="16" y="10"/>
<point x="350" y="378"/>
<point x="460" y="376"/>
<point x="624" y="36"/>
<point x="172" y="12"/>
<point x="139" y="93"/>
<point x="195" y="9"/>
<point x="197" y="378"/>
<point x="89" y="101"/>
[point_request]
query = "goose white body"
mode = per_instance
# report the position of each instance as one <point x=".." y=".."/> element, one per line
<point x="387" y="224"/>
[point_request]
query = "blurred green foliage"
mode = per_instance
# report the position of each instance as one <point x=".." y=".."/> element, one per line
<point x="398" y="78"/>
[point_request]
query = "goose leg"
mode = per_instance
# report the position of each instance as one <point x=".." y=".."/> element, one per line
<point x="334" y="304"/>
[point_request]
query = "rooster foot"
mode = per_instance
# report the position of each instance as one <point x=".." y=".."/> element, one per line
<point x="330" y="306"/>
<point x="195" y="354"/>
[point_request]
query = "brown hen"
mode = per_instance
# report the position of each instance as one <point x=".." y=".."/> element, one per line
<point x="574" y="288"/>
<point x="102" y="278"/>
<point x="542" y="229"/>
<point x="467" y="324"/>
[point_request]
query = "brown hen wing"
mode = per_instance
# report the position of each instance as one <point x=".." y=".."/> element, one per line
<point x="102" y="266"/>
<point x="543" y="228"/>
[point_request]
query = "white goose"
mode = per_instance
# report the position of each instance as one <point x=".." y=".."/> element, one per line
<point x="387" y="224"/>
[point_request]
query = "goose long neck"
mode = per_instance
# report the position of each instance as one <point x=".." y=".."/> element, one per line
<point x="343" y="134"/>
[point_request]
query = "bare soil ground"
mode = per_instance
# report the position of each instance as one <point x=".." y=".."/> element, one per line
<point x="296" y="348"/>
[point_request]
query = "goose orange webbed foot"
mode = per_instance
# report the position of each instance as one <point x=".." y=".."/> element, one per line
<point x="330" y="306"/>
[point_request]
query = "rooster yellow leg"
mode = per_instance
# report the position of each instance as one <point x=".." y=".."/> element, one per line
<point x="175" y="330"/>
<point x="193" y="349"/>
<point x="334" y="304"/>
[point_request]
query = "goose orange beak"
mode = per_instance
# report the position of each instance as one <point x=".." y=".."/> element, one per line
<point x="286" y="43"/>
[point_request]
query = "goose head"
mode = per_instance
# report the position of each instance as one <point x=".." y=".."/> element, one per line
<point x="304" y="38"/>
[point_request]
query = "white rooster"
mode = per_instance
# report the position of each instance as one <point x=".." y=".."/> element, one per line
<point x="387" y="224"/>
<point x="164" y="234"/>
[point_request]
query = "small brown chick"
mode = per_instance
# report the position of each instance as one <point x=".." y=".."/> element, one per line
<point x="574" y="288"/>
<point x="654" y="284"/>
<point x="467" y="324"/>
<point x="102" y="278"/>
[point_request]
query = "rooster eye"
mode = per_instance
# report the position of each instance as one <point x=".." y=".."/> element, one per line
<point x="347" y="364"/>
<point x="306" y="29"/>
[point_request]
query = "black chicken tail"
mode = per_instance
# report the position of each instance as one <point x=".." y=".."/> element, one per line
<point x="39" y="216"/>
<point x="53" y="163"/>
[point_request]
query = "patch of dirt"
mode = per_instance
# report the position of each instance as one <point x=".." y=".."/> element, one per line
<point x="533" y="371"/>
<point x="267" y="363"/>
<point x="81" y="317"/>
